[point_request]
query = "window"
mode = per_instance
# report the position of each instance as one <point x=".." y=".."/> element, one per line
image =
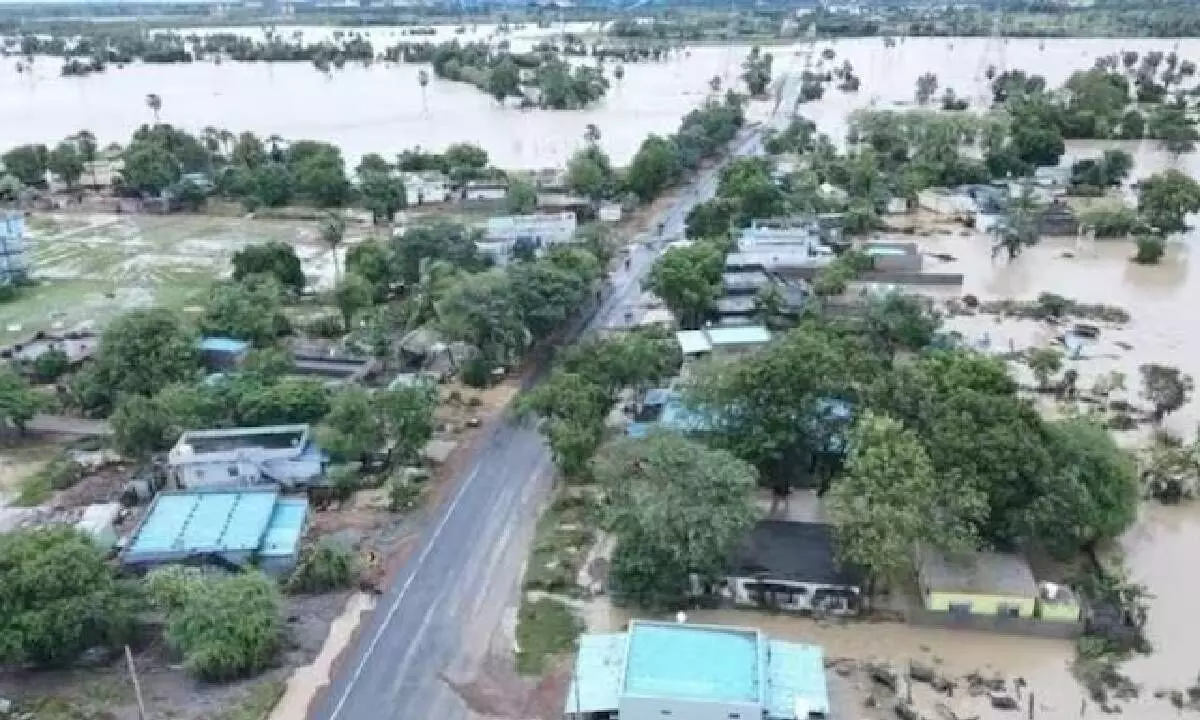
<point x="735" y="716"/>
<point x="1006" y="610"/>
<point x="960" y="608"/>
<point x="233" y="471"/>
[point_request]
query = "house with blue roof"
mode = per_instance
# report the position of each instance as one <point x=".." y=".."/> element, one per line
<point x="699" y="672"/>
<point x="235" y="529"/>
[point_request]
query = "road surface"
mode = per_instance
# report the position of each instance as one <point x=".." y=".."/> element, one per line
<point x="437" y="618"/>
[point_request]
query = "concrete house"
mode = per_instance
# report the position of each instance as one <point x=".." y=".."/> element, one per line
<point x="13" y="266"/>
<point x="791" y="566"/>
<point x="485" y="191"/>
<point x="695" y="672"/>
<point x="503" y="235"/>
<point x="231" y="528"/>
<point x="980" y="583"/>
<point x="282" y="455"/>
<point x="721" y="341"/>
<point x="424" y="188"/>
<point x="1058" y="219"/>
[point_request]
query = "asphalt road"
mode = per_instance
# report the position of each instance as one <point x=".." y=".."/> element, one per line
<point x="435" y="621"/>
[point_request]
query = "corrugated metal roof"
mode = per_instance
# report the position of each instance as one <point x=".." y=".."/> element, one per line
<point x="285" y="527"/>
<point x="599" y="669"/>
<point x="693" y="662"/>
<point x="212" y="521"/>
<point x="693" y="342"/>
<point x="795" y="681"/>
<point x="224" y="345"/>
<point x="740" y="335"/>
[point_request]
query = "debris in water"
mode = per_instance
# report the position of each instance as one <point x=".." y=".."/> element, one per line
<point x="920" y="672"/>
<point x="1003" y="701"/>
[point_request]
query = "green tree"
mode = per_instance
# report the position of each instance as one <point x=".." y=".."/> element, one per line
<point x="504" y="80"/>
<point x="149" y="168"/>
<point x="274" y="258"/>
<point x="268" y="364"/>
<point x="1150" y="249"/>
<point x="1171" y="125"/>
<point x="352" y="428"/>
<point x="590" y="173"/>
<point x="756" y="71"/>
<point x="1166" y="388"/>
<point x="290" y="400"/>
<point x="244" y="310"/>
<point x="351" y="295"/>
<point x="319" y="174"/>
<point x="890" y="499"/>
<point x="464" y="162"/>
<point x="688" y="281"/>
<point x="85" y="140"/>
<point x="1093" y="494"/>
<point x="547" y="295"/>
<point x="140" y="426"/>
<point x="373" y="262"/>
<point x="482" y="310"/>
<point x="1044" y="362"/>
<point x="654" y="167"/>
<point x="322" y="568"/>
<point x="1166" y="197"/>
<point x="660" y="490"/>
<point x="1020" y="227"/>
<point x="332" y="233"/>
<point x="66" y="162"/>
<point x="271" y="185"/>
<point x="226" y="627"/>
<point x="927" y="85"/>
<point x="143" y="351"/>
<point x="18" y="402"/>
<point x="372" y="163"/>
<point x="383" y="195"/>
<point x="711" y="219"/>
<point x="521" y="198"/>
<point x="407" y="415"/>
<point x="28" y="163"/>
<point x="155" y="103"/>
<point x="248" y="151"/>
<point x="900" y="321"/>
<point x="60" y="597"/>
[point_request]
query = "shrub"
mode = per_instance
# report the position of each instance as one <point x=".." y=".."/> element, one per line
<point x="1150" y="249"/>
<point x="323" y="567"/>
<point x="51" y="365"/>
<point x="59" y="597"/>
<point x="226" y="627"/>
<point x="403" y="494"/>
<point x="476" y="372"/>
<point x="62" y="473"/>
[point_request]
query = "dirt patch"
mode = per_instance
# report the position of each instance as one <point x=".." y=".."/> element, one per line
<point x="496" y="690"/>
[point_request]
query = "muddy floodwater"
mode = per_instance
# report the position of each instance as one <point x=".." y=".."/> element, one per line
<point x="382" y="108"/>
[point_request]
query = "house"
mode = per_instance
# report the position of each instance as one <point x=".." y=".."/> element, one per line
<point x="1058" y="219"/>
<point x="101" y="173"/>
<point x="721" y="341"/>
<point x="799" y="235"/>
<point x="1057" y="603"/>
<point x="893" y="257"/>
<point x="485" y="190"/>
<point x="945" y="201"/>
<point x="559" y="202"/>
<point x="235" y="529"/>
<point x="610" y="212"/>
<point x="791" y="566"/>
<point x="79" y="347"/>
<point x="980" y="583"/>
<point x="665" y="409"/>
<point x="13" y="265"/>
<point x="335" y="369"/>
<point x="271" y="455"/>
<point x="223" y="353"/>
<point x="424" y="188"/>
<point x="503" y="235"/>
<point x="698" y="672"/>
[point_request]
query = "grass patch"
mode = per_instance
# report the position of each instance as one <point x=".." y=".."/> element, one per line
<point x="257" y="703"/>
<point x="545" y="627"/>
<point x="565" y="533"/>
<point x="59" y="473"/>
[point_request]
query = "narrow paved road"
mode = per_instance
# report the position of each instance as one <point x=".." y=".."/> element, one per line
<point x="450" y="596"/>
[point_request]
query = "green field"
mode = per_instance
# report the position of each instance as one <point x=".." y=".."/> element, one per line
<point x="88" y="268"/>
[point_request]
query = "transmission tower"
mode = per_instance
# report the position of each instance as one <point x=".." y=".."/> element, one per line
<point x="991" y="60"/>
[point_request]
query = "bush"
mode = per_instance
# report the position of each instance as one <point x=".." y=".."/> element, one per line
<point x="403" y="494"/>
<point x="323" y="567"/>
<point x="343" y="480"/>
<point x="62" y="472"/>
<point x="59" y="597"/>
<point x="51" y="365"/>
<point x="1150" y="249"/>
<point x="545" y="628"/>
<point x="476" y="372"/>
<point x="226" y="627"/>
<point x="324" y="326"/>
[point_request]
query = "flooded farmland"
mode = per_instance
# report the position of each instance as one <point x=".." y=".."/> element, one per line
<point x="382" y="108"/>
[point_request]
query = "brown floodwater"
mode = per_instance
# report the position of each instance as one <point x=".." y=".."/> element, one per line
<point x="382" y="109"/>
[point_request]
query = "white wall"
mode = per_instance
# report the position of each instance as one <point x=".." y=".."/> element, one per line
<point x="801" y="600"/>
<point x="644" y="708"/>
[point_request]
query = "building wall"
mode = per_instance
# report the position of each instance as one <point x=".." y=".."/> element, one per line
<point x="239" y="473"/>
<point x="835" y="599"/>
<point x="485" y="194"/>
<point x="646" y="708"/>
<point x="1063" y="612"/>
<point x="980" y="604"/>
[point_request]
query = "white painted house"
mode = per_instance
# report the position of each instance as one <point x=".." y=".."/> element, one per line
<point x="479" y="190"/>
<point x="269" y="455"/>
<point x="792" y="566"/>
<point x="424" y="188"/>
<point x="502" y="235"/>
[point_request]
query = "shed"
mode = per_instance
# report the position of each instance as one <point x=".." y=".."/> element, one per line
<point x="223" y="353"/>
<point x="234" y="528"/>
<point x="792" y="566"/>
<point x="99" y="522"/>
<point x="979" y="583"/>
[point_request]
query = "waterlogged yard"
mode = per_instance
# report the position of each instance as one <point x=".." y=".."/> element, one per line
<point x="89" y="268"/>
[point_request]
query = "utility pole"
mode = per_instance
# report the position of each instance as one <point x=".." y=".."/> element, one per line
<point x="137" y="685"/>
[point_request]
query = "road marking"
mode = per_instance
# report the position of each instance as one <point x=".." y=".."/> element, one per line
<point x="395" y="607"/>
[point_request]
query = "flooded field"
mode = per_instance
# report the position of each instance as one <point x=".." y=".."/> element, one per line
<point x="383" y="109"/>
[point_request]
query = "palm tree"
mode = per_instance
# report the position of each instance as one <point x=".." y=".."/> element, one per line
<point x="332" y="233"/>
<point x="715" y="83"/>
<point x="1021" y="225"/>
<point x="86" y="142"/>
<point x="423" y="79"/>
<point x="154" y="102"/>
<point x="591" y="134"/>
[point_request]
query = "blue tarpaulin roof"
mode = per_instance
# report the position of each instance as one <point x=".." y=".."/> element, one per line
<point x="795" y="681"/>
<point x="599" y="671"/>
<point x="693" y="662"/>
<point x="224" y="345"/>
